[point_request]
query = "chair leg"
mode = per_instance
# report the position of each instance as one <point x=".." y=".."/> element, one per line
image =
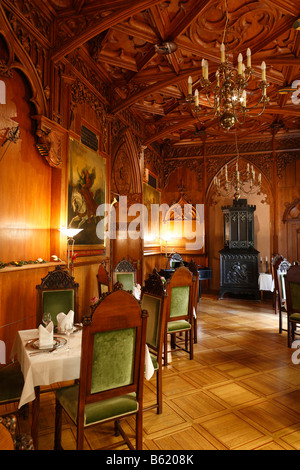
<point x="58" y="424"/>
<point x="139" y="430"/>
<point x="195" y="331"/>
<point x="291" y="333"/>
<point x="191" y="343"/>
<point x="165" y="349"/>
<point x="159" y="389"/>
<point x="280" y="320"/>
<point x="80" y="435"/>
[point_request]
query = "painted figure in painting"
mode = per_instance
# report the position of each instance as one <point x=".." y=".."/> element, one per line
<point x="84" y="202"/>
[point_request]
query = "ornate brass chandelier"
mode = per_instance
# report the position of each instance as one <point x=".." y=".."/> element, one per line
<point x="240" y="182"/>
<point x="229" y="105"/>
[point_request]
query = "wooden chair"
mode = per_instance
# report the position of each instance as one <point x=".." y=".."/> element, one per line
<point x="58" y="292"/>
<point x="125" y="274"/>
<point x="154" y="302"/>
<point x="11" y="384"/>
<point x="274" y="265"/>
<point x="193" y="267"/>
<point x="180" y="304"/>
<point x="292" y="287"/>
<point x="112" y="369"/>
<point x="103" y="280"/>
<point x="281" y="270"/>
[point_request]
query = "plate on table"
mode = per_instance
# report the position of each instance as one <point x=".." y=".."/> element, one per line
<point x="57" y="343"/>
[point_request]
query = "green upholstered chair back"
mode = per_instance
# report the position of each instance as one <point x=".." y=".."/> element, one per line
<point x="292" y="286"/>
<point x="113" y="342"/>
<point x="103" y="280"/>
<point x="58" y="292"/>
<point x="153" y="306"/>
<point x="180" y="290"/>
<point x="295" y="296"/>
<point x="113" y="359"/>
<point x="125" y="274"/>
<point x="56" y="301"/>
<point x="126" y="279"/>
<point x="179" y="301"/>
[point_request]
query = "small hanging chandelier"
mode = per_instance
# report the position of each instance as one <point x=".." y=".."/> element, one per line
<point x="230" y="98"/>
<point x="239" y="182"/>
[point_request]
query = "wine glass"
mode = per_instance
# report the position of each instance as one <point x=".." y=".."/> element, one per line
<point x="46" y="318"/>
<point x="68" y="331"/>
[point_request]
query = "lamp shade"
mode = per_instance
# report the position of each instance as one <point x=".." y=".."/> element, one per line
<point x="70" y="232"/>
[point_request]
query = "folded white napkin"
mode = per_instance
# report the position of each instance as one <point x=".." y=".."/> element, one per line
<point x="149" y="369"/>
<point x="63" y="319"/>
<point x="137" y="291"/>
<point x="46" y="336"/>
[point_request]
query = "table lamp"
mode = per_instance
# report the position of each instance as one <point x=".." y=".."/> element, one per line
<point x="70" y="234"/>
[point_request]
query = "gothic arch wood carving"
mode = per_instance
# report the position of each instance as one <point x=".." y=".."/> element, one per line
<point x="20" y="60"/>
<point x="126" y="174"/>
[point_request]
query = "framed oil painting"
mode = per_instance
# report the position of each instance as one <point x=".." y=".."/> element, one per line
<point x="152" y="200"/>
<point x="86" y="191"/>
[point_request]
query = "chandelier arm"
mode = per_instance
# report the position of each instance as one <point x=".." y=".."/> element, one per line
<point x="259" y="114"/>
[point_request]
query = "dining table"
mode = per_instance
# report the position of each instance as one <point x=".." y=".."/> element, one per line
<point x="41" y="367"/>
<point x="265" y="283"/>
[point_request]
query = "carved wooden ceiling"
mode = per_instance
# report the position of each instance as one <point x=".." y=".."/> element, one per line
<point x="119" y="39"/>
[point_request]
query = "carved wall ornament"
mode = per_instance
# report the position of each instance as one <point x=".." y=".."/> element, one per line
<point x="284" y="159"/>
<point x="81" y="94"/>
<point x="195" y="165"/>
<point x="51" y="140"/>
<point x="182" y="210"/>
<point x="5" y="70"/>
<point x="292" y="211"/>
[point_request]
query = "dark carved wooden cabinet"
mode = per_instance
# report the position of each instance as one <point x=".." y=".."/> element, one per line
<point x="239" y="258"/>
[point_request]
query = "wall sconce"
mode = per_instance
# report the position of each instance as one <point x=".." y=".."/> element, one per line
<point x="70" y="234"/>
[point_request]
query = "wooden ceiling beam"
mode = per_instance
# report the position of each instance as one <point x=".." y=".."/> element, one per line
<point x="132" y="8"/>
<point x="153" y="88"/>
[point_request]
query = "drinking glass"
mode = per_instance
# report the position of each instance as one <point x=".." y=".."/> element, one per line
<point x="68" y="331"/>
<point x="46" y="318"/>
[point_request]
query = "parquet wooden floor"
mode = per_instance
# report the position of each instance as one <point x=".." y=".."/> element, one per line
<point x="241" y="390"/>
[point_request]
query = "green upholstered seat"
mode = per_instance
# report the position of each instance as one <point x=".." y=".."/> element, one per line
<point x="11" y="383"/>
<point x="126" y="279"/>
<point x="178" y="325"/>
<point x="98" y="411"/>
<point x="57" y="301"/>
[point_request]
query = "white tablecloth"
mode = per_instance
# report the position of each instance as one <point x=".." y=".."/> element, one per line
<point x="49" y="368"/>
<point x="265" y="282"/>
